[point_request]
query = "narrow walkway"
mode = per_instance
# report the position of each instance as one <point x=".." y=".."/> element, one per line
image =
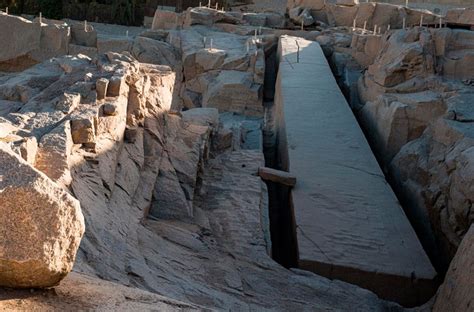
<point x="349" y="223"/>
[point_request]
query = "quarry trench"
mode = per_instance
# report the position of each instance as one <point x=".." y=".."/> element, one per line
<point x="286" y="231"/>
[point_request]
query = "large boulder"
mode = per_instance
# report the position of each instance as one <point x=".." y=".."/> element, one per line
<point x="41" y="225"/>
<point x="393" y="120"/>
<point x="365" y="48"/>
<point x="54" y="152"/>
<point x="234" y="91"/>
<point x="434" y="176"/>
<point x="147" y="50"/>
<point x="166" y="20"/>
<point x="341" y="15"/>
<point x="407" y="54"/>
<point x="301" y="16"/>
<point x="207" y="16"/>
<point x="456" y="293"/>
<point x="463" y="16"/>
<point x="455" y="52"/>
<point x="24" y="34"/>
<point x="83" y="34"/>
<point x="54" y="42"/>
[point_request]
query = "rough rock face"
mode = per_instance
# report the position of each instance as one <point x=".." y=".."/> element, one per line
<point x="41" y="226"/>
<point x="301" y="16"/>
<point x="456" y="292"/>
<point x="165" y="20"/>
<point x="434" y="172"/>
<point x="81" y="292"/>
<point x="344" y="12"/>
<point x="365" y="48"/>
<point x="27" y="42"/>
<point x="406" y="55"/>
<point x="398" y="101"/>
<point x="393" y="120"/>
<point x="455" y="52"/>
<point x="460" y="16"/>
<point x="220" y="73"/>
<point x="402" y="95"/>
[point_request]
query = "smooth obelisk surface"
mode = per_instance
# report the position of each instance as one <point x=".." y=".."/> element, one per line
<point x="349" y="223"/>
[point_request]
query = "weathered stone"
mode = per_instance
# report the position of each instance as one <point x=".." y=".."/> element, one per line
<point x="461" y="16"/>
<point x="109" y="109"/>
<point x="130" y="135"/>
<point x="169" y="201"/>
<point x="35" y="206"/>
<point x="341" y="15"/>
<point x="7" y="107"/>
<point x="404" y="58"/>
<point x="12" y="27"/>
<point x="301" y="16"/>
<point x="456" y="292"/>
<point x="73" y="63"/>
<point x="365" y="48"/>
<point x="75" y="49"/>
<point x="432" y="174"/>
<point x="234" y="91"/>
<point x="54" y="42"/>
<point x="152" y="51"/>
<point x="223" y="139"/>
<point x="117" y="86"/>
<point x="29" y="149"/>
<point x="207" y="16"/>
<point x="255" y="19"/>
<point x="275" y="20"/>
<point x="83" y="127"/>
<point x="207" y="59"/>
<point x="83" y="35"/>
<point x="118" y="45"/>
<point x="202" y="116"/>
<point x="396" y="119"/>
<point x="101" y="88"/>
<point x="6" y="129"/>
<point x="166" y="20"/>
<point x="54" y="152"/>
<point x="68" y="102"/>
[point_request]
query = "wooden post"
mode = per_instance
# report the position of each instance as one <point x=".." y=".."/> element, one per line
<point x="277" y="176"/>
